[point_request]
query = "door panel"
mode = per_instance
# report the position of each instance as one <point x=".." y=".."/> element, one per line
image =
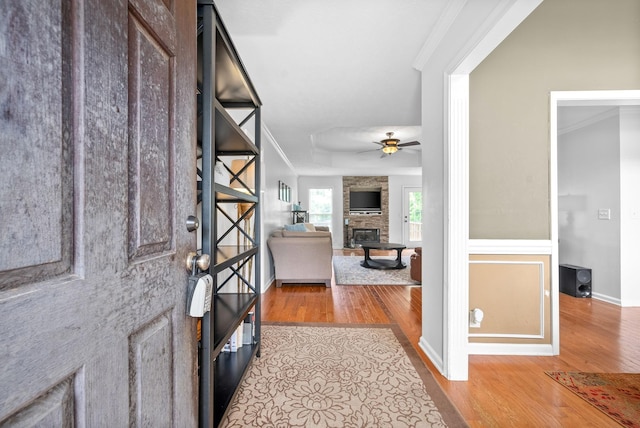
<point x="97" y="132"/>
<point x="40" y="185"/>
<point x="150" y="140"/>
<point x="150" y="374"/>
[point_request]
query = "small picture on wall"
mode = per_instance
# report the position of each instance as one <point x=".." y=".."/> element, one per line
<point x="284" y="192"/>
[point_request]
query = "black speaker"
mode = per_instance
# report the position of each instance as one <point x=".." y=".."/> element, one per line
<point x="575" y="280"/>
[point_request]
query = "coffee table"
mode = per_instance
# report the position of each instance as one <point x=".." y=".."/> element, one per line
<point x="370" y="263"/>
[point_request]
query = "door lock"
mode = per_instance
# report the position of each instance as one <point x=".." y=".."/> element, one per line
<point x="192" y="223"/>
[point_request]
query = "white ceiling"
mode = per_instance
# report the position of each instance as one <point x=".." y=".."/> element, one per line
<point x="336" y="75"/>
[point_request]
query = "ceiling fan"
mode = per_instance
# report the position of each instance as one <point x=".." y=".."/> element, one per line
<point x="391" y="145"/>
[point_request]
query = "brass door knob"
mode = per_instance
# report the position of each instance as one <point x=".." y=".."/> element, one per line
<point x="202" y="261"/>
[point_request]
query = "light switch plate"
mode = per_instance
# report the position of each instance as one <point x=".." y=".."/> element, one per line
<point x="604" y="214"/>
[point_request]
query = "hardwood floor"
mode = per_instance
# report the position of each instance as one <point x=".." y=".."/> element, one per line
<point x="502" y="391"/>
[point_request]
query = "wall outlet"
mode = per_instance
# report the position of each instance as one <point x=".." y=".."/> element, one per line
<point x="604" y="214"/>
<point x="475" y="317"/>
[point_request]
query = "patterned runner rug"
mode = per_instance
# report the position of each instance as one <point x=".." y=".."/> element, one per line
<point x="615" y="394"/>
<point x="348" y="271"/>
<point x="337" y="376"/>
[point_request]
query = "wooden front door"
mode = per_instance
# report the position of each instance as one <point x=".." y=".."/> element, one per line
<point x="97" y="140"/>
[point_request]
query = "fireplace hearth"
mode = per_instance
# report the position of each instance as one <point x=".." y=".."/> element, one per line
<point x="365" y="236"/>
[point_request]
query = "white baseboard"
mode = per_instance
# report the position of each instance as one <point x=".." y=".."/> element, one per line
<point x="510" y="349"/>
<point x="605" y="298"/>
<point x="629" y="303"/>
<point x="432" y="355"/>
<point x="270" y="282"/>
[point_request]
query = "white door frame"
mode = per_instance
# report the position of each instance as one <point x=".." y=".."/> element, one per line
<point x="564" y="99"/>
<point x="445" y="336"/>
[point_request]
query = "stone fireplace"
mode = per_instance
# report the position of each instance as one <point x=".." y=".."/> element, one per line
<point x="378" y="220"/>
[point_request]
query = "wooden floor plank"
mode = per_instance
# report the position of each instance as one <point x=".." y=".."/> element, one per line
<point x="502" y="390"/>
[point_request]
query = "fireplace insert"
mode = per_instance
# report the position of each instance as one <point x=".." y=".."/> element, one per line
<point x="363" y="236"/>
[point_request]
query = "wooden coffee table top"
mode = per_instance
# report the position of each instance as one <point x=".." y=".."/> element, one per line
<point x="383" y="246"/>
<point x="383" y="263"/>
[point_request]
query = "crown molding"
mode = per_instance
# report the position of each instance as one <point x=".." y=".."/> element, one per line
<point x="503" y="18"/>
<point x="269" y="137"/>
<point x="591" y="120"/>
<point x="444" y="23"/>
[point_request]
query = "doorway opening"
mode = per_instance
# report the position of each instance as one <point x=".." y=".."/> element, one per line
<point x="573" y="210"/>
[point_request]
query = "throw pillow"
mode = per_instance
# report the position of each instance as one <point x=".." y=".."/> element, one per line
<point x="310" y="227"/>
<point x="298" y="227"/>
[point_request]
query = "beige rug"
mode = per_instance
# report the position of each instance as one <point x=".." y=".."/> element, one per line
<point x="337" y="376"/>
<point x="347" y="271"/>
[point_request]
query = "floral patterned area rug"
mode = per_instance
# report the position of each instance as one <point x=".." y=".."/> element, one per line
<point x="615" y="394"/>
<point x="347" y="271"/>
<point x="337" y="376"/>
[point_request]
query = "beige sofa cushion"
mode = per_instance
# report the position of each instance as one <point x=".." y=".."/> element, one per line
<point x="277" y="233"/>
<point x="292" y="234"/>
<point x="280" y="233"/>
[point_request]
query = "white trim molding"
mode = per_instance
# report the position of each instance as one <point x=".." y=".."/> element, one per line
<point x="440" y="30"/>
<point x="564" y="99"/>
<point x="505" y="18"/>
<point x="466" y="33"/>
<point x="608" y="299"/>
<point x="457" y="231"/>
<point x="510" y="349"/>
<point x="612" y="112"/>
<point x="271" y="139"/>
<point x="510" y="246"/>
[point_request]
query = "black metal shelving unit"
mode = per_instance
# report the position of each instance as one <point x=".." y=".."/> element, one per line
<point x="300" y="216"/>
<point x="224" y="85"/>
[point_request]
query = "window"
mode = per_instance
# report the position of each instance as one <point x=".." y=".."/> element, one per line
<point x="321" y="207"/>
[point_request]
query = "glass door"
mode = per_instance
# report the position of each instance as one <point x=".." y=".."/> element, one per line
<point x="412" y="216"/>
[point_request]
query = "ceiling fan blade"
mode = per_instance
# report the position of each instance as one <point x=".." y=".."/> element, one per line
<point x="410" y="143"/>
<point x="378" y="143"/>
<point x="365" y="151"/>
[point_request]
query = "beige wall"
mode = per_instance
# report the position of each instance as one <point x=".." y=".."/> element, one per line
<point x="513" y="291"/>
<point x="563" y="45"/>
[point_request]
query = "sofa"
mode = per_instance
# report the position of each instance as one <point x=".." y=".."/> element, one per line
<point x="415" y="271"/>
<point x="302" y="257"/>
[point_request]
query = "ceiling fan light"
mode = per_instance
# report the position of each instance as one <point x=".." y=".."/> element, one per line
<point x="389" y="149"/>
